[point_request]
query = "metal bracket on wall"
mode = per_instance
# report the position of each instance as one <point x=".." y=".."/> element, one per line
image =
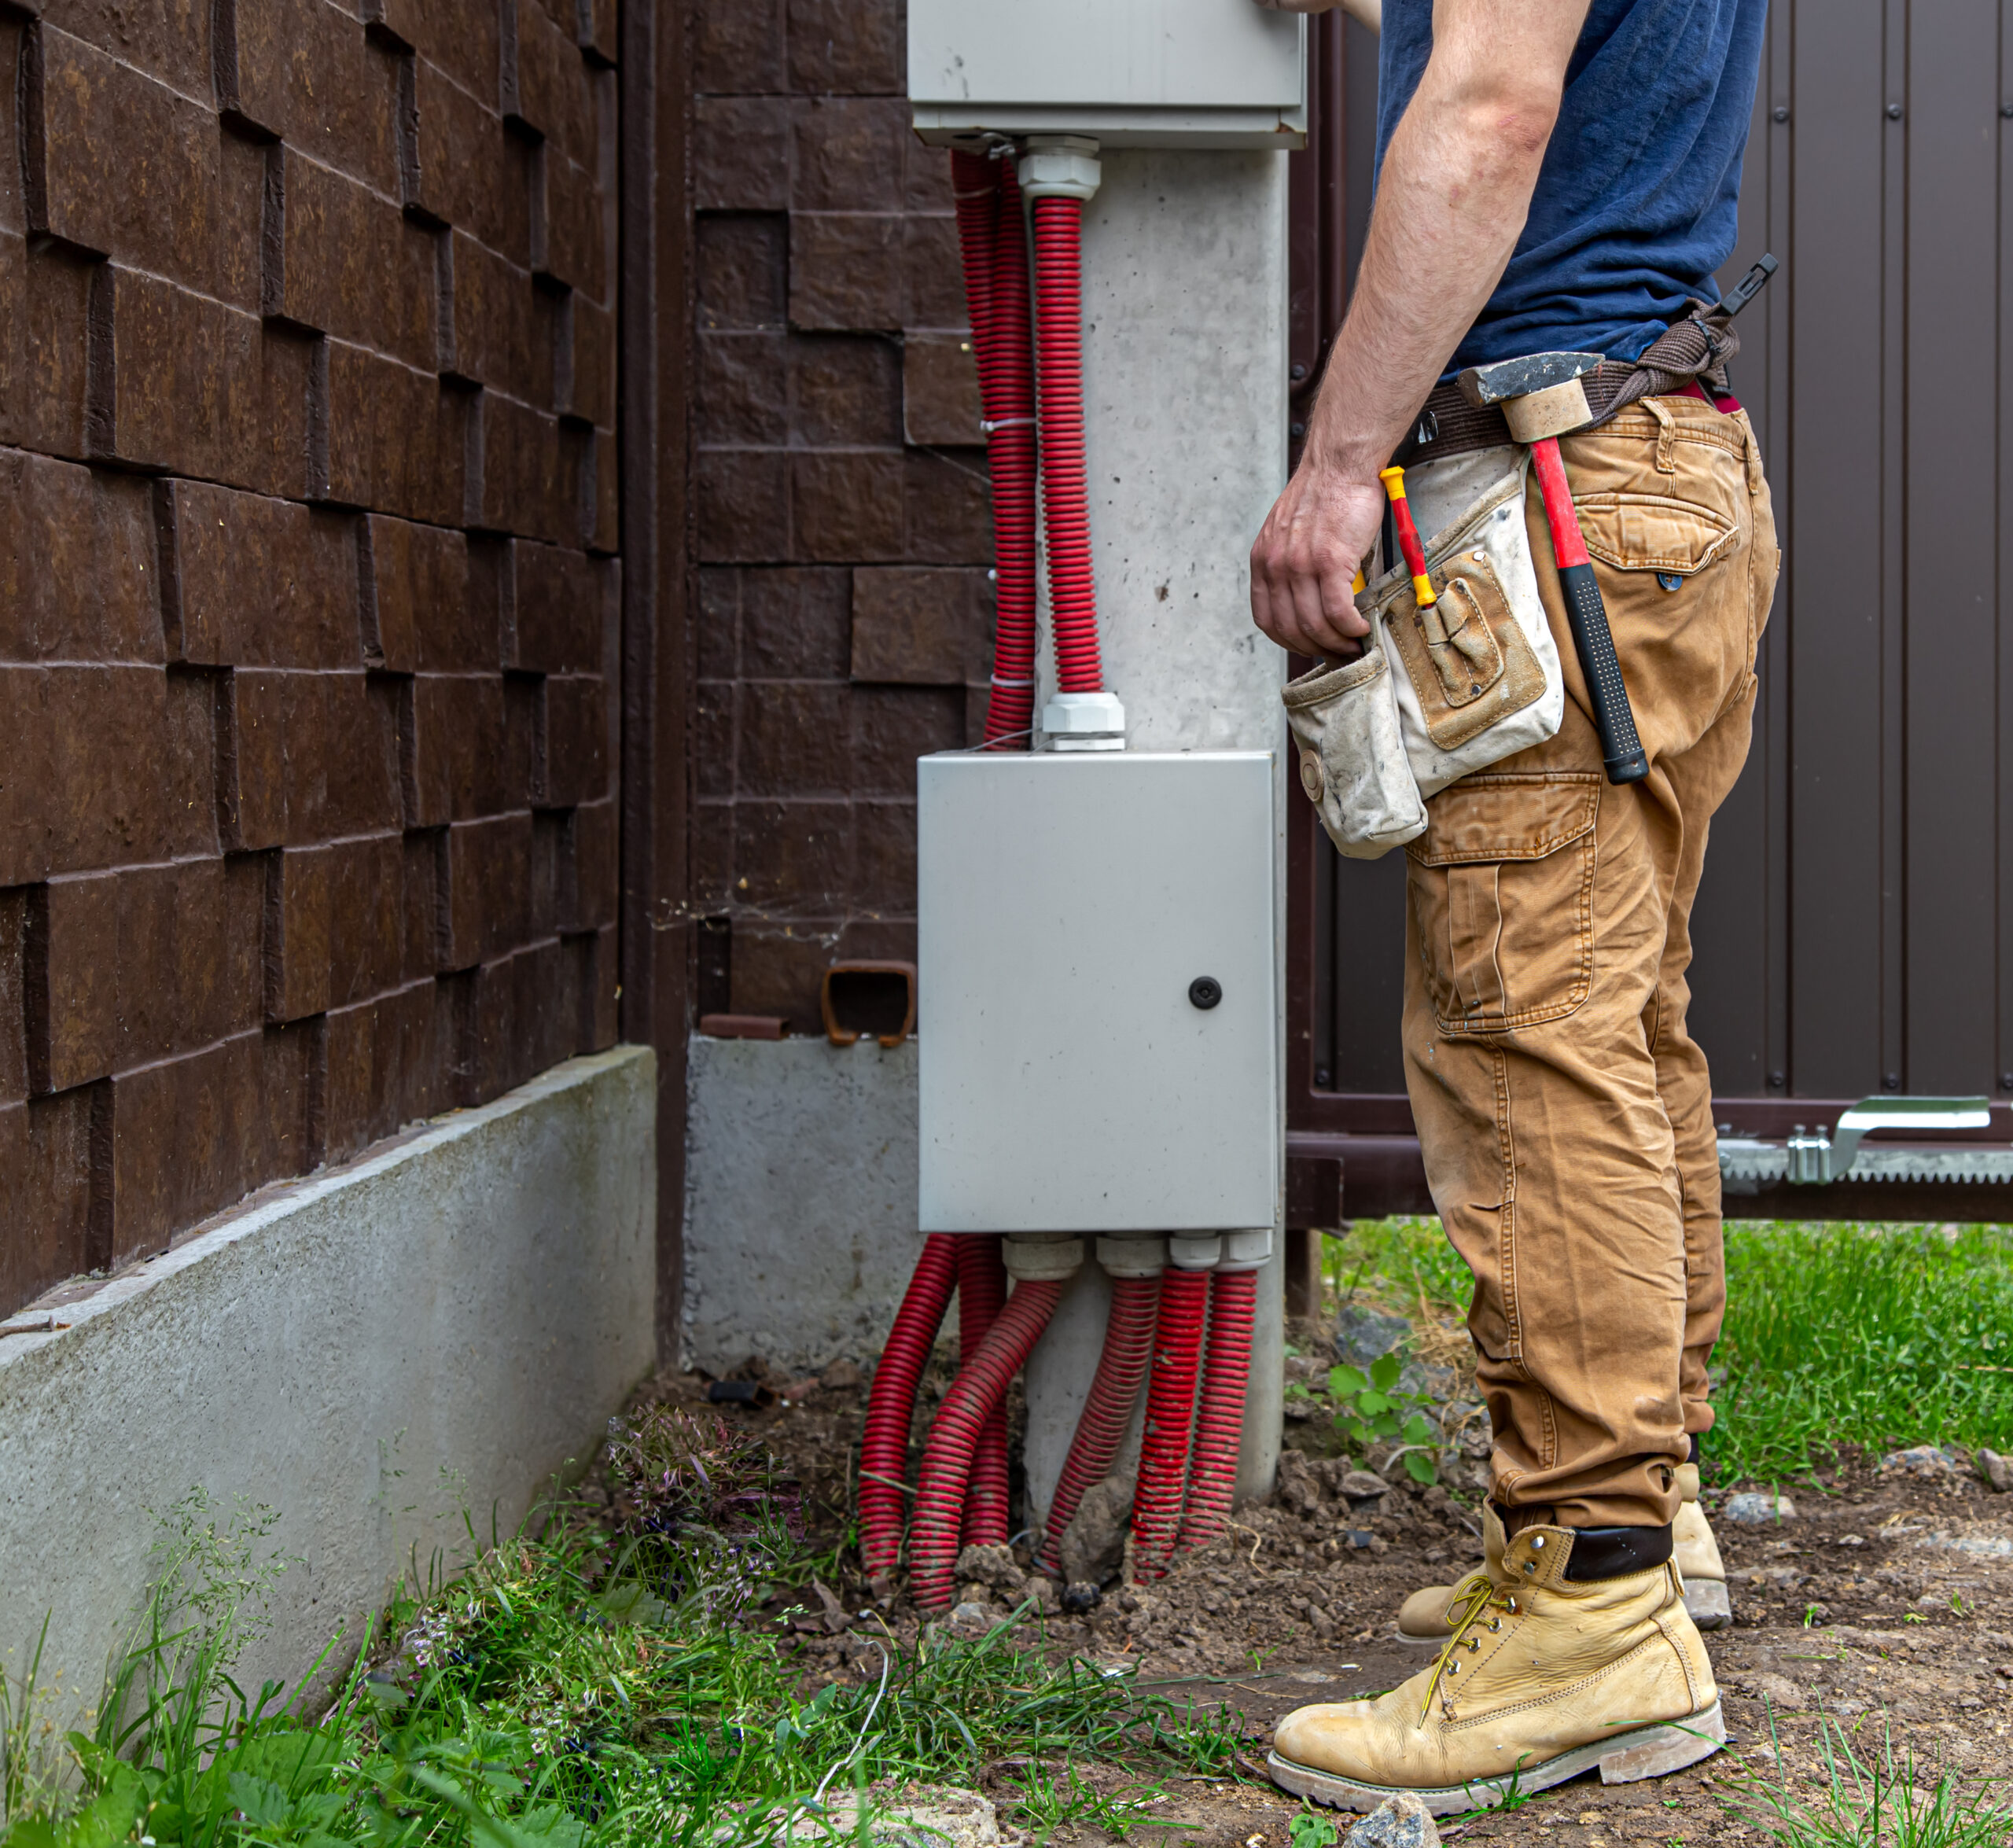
<point x="1819" y="1157"/>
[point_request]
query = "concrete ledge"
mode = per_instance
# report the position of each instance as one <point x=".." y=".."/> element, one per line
<point x="449" y="1320"/>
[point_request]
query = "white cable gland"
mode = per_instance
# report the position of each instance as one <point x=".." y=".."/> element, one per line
<point x="1192" y="1253"/>
<point x="1084" y="722"/>
<point x="1247" y="1250"/>
<point x="1042" y="1257"/>
<point x="1132" y="1257"/>
<point x="1060" y="166"/>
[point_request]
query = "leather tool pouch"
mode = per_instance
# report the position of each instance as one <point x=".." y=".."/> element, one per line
<point x="1353" y="764"/>
<point x="1479" y="675"/>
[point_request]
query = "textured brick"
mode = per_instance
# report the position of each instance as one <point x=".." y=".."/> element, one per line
<point x="182" y="383"/>
<point x="418" y="609"/>
<point x="792" y="739"/>
<point x="740" y="153"/>
<point x="395" y="440"/>
<point x="849" y="153"/>
<point x="712" y="748"/>
<point x="367" y="916"/>
<point x="846" y="44"/>
<point x="546" y="85"/>
<point x="303" y="757"/>
<point x="884" y="857"/>
<point x="743" y="388"/>
<point x="14" y="997"/>
<point x="847" y="504"/>
<point x="589" y="371"/>
<point x="457" y="754"/>
<point x="795" y="855"/>
<point x="845" y="390"/>
<point x="486" y="878"/>
<point x="558" y="610"/>
<point x="459" y="37"/>
<point x="251" y="759"/>
<point x="245" y="173"/>
<point x="525" y="486"/>
<point x="711" y="869"/>
<point x="795" y="624"/>
<point x="598" y="29"/>
<point x="43" y="345"/>
<point x="933" y="287"/>
<point x="102" y="740"/>
<point x="26" y="798"/>
<point x="304" y="70"/>
<point x="926" y="184"/>
<point x="77" y="579"/>
<point x="497" y="329"/>
<point x="577" y="740"/>
<point x="921" y="627"/>
<point x="72" y="981"/>
<point x="256" y="581"/>
<point x="778" y="969"/>
<point x="298" y="904"/>
<point x="744" y="269"/>
<point x="44" y="1194"/>
<point x="188" y="959"/>
<point x="168" y="39"/>
<point x="342" y="260"/>
<point x="893" y="726"/>
<point x="385" y="1066"/>
<point x="189" y="768"/>
<point x="743" y="504"/>
<point x="737" y="46"/>
<point x="115" y="164"/>
<point x="847" y="270"/>
<point x="940" y="390"/>
<point x="603" y="457"/>
<point x="570" y="232"/>
<point x="461" y="167"/>
<point x="590" y="868"/>
<point x="946" y="507"/>
<point x="719" y="623"/>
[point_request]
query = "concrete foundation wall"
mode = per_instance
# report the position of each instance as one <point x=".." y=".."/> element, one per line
<point x="448" y="1321"/>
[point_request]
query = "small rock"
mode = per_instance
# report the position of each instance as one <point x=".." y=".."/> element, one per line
<point x="971" y="1619"/>
<point x="1363" y="1487"/>
<point x="1402" y="1821"/>
<point x="1921" y="1460"/>
<point x="921" y="1816"/>
<point x="993" y="1566"/>
<point x="1779" y="1690"/>
<point x="841" y="1376"/>
<point x="1083" y="1595"/>
<point x="1362" y="1335"/>
<point x="1093" y="1547"/>
<point x="1751" y="1509"/>
<point x="1047" y="1599"/>
<point x="1299" y="1488"/>
<point x="1996" y="1470"/>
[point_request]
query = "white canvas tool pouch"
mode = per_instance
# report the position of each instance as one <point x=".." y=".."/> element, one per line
<point x="1477" y="673"/>
<point x="1352" y="760"/>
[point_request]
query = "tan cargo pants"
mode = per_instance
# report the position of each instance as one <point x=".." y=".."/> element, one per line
<point x="1564" y="1113"/>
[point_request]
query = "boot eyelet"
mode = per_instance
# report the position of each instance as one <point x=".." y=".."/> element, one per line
<point x="1530" y="1565"/>
<point x="1495" y="1624"/>
<point x="1475" y="1644"/>
<point x="1537" y="1542"/>
<point x="1453" y="1668"/>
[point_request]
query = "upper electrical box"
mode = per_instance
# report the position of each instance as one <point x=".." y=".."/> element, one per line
<point x="1134" y="73"/>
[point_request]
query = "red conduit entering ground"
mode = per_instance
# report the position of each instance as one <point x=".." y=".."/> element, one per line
<point x="1066" y="490"/>
<point x="990" y="233"/>
<point x="1219" y="1416"/>
<point x="1170" y="1417"/>
<point x="947" y="1458"/>
<point x="884" y="1445"/>
<point x="1128" y="1344"/>
<point x="981" y="1295"/>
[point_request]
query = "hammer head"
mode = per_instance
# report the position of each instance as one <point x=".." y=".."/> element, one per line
<point x="1517" y="378"/>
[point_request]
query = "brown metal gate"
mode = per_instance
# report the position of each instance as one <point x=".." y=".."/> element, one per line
<point x="1854" y="934"/>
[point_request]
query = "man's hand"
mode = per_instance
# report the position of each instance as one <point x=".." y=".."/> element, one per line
<point x="1316" y="535"/>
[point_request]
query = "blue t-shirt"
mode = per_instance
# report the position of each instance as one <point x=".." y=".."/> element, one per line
<point x="1637" y="201"/>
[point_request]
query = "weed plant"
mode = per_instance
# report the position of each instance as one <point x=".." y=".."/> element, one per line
<point x="573" y="1688"/>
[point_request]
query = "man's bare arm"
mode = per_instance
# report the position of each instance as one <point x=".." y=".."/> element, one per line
<point x="1451" y="200"/>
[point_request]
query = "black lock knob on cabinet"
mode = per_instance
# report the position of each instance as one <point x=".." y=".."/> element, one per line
<point x="1206" y="991"/>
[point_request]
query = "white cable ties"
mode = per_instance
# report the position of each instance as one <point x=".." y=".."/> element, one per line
<point x="998" y="681"/>
<point x="990" y="424"/>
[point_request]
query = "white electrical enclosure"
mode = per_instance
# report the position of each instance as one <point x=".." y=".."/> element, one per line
<point x="1134" y="73"/>
<point x="1066" y="906"/>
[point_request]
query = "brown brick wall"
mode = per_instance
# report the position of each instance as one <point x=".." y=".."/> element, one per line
<point x="309" y="605"/>
<point x="844" y="528"/>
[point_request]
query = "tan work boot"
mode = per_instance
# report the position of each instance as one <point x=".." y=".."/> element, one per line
<point x="1543" y="1677"/>
<point x="1425" y="1617"/>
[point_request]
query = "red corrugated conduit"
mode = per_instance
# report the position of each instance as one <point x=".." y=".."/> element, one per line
<point x="1128" y="1344"/>
<point x="1219" y="1416"/>
<point x="947" y="1458"/>
<point x="981" y="1295"/>
<point x="1170" y="1417"/>
<point x="1065" y="488"/>
<point x="883" y="1443"/>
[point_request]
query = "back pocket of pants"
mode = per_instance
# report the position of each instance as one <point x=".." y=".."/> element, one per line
<point x="1503" y="889"/>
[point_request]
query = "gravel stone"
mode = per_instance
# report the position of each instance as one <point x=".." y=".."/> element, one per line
<point x="1922" y="1459"/>
<point x="1094" y="1545"/>
<point x="1752" y="1509"/>
<point x="1402" y="1821"/>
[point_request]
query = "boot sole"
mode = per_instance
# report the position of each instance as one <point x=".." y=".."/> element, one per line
<point x="1648" y="1751"/>
<point x="1706" y="1600"/>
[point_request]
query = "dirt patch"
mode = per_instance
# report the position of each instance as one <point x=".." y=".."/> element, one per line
<point x="1886" y="1602"/>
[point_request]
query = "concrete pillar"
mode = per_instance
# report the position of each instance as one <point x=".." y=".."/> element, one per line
<point x="1185" y="405"/>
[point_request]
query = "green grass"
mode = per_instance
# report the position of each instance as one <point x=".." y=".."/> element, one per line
<point x="581" y="1687"/>
<point x="1875" y="1336"/>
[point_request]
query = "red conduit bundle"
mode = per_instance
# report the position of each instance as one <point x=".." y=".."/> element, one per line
<point x="988" y="193"/>
<point x="1065" y="488"/>
<point x="1219" y="1416"/>
<point x="981" y="1295"/>
<point x="946" y="1459"/>
<point x="884" y="1444"/>
<point x="1129" y="1343"/>
<point x="1170" y="1416"/>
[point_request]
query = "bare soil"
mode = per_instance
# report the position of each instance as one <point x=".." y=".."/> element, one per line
<point x="1886" y="1603"/>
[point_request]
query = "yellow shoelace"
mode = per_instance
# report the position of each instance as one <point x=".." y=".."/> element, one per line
<point x="1473" y="1599"/>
